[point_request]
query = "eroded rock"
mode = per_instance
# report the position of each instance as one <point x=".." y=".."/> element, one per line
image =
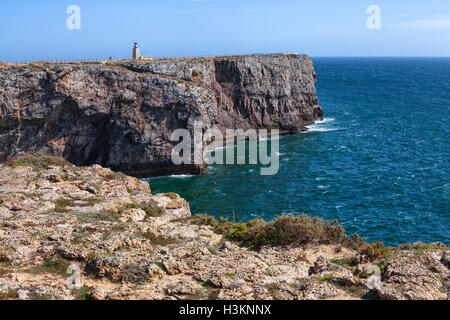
<point x="121" y="114"/>
<point x="131" y="244"/>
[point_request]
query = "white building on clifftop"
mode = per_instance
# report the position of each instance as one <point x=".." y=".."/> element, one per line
<point x="136" y="52"/>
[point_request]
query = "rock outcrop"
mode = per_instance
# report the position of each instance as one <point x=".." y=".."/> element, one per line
<point x="121" y="114"/>
<point x="130" y="244"/>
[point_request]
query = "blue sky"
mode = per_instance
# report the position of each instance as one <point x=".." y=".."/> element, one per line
<point x="36" y="29"/>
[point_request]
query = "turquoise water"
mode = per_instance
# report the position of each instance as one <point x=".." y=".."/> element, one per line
<point x="379" y="163"/>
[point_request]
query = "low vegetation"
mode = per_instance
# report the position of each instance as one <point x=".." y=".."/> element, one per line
<point x="135" y="273"/>
<point x="345" y="262"/>
<point x="62" y="204"/>
<point x="37" y="161"/>
<point x="375" y="250"/>
<point x="157" y="239"/>
<point x="283" y="231"/>
<point x="104" y="215"/>
<point x="8" y="295"/>
<point x="152" y="209"/>
<point x="291" y="230"/>
<point x="54" y="265"/>
<point x="82" y="293"/>
<point x="427" y="246"/>
<point x="200" y="294"/>
<point x="4" y="260"/>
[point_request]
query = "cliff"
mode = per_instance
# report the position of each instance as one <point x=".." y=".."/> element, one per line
<point x="121" y="114"/>
<point x="130" y="244"/>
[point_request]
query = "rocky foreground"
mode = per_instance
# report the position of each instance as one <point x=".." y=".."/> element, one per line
<point x="130" y="244"/>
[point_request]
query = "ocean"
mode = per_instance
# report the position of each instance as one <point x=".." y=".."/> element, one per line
<point x="378" y="163"/>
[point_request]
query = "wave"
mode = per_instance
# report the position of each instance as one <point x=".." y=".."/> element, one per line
<point x="321" y="126"/>
<point x="182" y="176"/>
<point x="325" y="120"/>
<point x="315" y="129"/>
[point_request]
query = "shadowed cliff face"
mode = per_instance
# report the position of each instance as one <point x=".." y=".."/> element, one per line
<point x="121" y="115"/>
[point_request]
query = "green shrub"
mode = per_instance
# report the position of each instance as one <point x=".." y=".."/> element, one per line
<point x="325" y="278"/>
<point x="283" y="231"/>
<point x="374" y="250"/>
<point x="428" y="246"/>
<point x="345" y="262"/>
<point x="356" y="241"/>
<point x="203" y="219"/>
<point x="135" y="273"/>
<point x="55" y="265"/>
<point x="382" y="264"/>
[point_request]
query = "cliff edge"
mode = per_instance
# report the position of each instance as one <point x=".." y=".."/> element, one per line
<point x="121" y="114"/>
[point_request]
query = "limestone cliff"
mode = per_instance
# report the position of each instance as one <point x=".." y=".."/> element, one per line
<point x="121" y="114"/>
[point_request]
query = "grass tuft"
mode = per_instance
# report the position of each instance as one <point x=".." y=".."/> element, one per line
<point x="55" y="265"/>
<point x="38" y="161"/>
<point x="152" y="209"/>
<point x="159" y="239"/>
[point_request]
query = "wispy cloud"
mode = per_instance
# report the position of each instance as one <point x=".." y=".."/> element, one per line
<point x="425" y="24"/>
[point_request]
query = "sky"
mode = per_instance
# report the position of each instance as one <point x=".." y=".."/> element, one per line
<point x="37" y="29"/>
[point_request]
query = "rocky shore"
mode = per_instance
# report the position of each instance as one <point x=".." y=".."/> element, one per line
<point x="131" y="244"/>
<point x="121" y="114"/>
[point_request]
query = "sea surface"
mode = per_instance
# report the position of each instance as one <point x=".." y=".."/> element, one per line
<point x="379" y="162"/>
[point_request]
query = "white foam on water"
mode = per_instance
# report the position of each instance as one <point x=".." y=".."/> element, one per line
<point x="322" y="126"/>
<point x="325" y="120"/>
<point x="182" y="176"/>
<point x="313" y="128"/>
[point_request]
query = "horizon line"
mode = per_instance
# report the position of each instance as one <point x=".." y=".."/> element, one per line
<point x="237" y="54"/>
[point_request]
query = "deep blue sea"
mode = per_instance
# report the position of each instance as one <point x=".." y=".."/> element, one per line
<point x="379" y="163"/>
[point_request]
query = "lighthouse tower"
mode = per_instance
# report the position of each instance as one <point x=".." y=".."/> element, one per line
<point x="136" y="52"/>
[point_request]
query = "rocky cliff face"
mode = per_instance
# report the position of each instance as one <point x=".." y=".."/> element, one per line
<point x="130" y="244"/>
<point x="121" y="114"/>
